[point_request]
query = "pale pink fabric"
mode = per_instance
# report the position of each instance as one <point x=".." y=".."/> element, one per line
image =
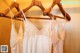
<point x="58" y="48"/>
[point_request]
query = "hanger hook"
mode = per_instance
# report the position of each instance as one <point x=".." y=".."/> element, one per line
<point x="14" y="0"/>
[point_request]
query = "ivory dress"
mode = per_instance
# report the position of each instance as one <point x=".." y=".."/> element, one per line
<point x="16" y="39"/>
<point x="39" y="41"/>
<point x="58" y="47"/>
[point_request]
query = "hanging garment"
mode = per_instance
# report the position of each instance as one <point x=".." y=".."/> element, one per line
<point x="16" y="39"/>
<point x="58" y="48"/>
<point x="39" y="41"/>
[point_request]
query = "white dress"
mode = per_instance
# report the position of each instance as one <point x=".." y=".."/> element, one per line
<point x="16" y="39"/>
<point x="39" y="41"/>
<point x="58" y="48"/>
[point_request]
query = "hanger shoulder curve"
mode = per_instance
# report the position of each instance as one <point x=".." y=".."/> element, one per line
<point x="65" y="14"/>
<point x="39" y="4"/>
<point x="13" y="5"/>
<point x="33" y="3"/>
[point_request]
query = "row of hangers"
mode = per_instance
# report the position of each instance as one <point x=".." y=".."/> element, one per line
<point x="46" y="12"/>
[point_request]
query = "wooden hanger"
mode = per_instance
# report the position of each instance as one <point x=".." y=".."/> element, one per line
<point x="45" y="12"/>
<point x="14" y="4"/>
<point x="39" y="4"/>
<point x="33" y="3"/>
<point x="65" y="14"/>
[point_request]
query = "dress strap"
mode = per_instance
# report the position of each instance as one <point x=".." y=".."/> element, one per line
<point x="24" y="16"/>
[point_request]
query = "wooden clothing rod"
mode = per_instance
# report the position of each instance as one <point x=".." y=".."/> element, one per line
<point x="46" y="12"/>
<point x="12" y="18"/>
<point x="46" y="18"/>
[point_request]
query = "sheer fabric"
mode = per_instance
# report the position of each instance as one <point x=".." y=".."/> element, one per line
<point x="58" y="48"/>
<point x="16" y="39"/>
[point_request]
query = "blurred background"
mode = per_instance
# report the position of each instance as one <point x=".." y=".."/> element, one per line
<point x="72" y="40"/>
